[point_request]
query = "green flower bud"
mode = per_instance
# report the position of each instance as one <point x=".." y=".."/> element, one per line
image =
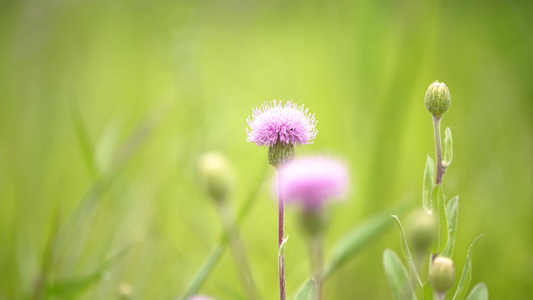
<point x="280" y="153"/>
<point x="441" y="274"/>
<point x="438" y="98"/>
<point x="422" y="230"/>
<point x="215" y="174"/>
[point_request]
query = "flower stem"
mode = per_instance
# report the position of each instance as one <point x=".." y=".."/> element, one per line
<point x="317" y="262"/>
<point x="237" y="249"/>
<point x="281" y="255"/>
<point x="438" y="150"/>
<point x="440" y="296"/>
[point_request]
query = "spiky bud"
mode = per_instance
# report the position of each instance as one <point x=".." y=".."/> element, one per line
<point x="215" y="174"/>
<point x="441" y="274"/>
<point x="280" y="153"/>
<point x="438" y="98"/>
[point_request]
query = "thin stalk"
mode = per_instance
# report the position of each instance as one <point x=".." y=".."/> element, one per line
<point x="440" y="296"/>
<point x="281" y="254"/>
<point x="317" y="262"/>
<point x="237" y="249"/>
<point x="438" y="150"/>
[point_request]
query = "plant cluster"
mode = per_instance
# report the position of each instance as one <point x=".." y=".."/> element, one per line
<point x="310" y="183"/>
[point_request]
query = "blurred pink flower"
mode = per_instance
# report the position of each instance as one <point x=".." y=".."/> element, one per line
<point x="311" y="181"/>
<point x="273" y="123"/>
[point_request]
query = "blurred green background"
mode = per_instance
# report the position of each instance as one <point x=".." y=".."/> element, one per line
<point x="106" y="105"/>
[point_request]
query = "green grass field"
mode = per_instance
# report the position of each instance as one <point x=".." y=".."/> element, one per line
<point x="105" y="107"/>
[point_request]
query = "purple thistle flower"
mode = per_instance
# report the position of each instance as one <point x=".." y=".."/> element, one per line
<point x="273" y="123"/>
<point x="311" y="181"/>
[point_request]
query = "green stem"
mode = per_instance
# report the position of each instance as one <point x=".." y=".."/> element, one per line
<point x="317" y="262"/>
<point x="237" y="249"/>
<point x="438" y="151"/>
<point x="440" y="296"/>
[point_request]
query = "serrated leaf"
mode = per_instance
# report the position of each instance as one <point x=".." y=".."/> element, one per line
<point x="397" y="276"/>
<point x="308" y="291"/>
<point x="448" y="147"/>
<point x="428" y="291"/>
<point x="451" y="215"/>
<point x="437" y="197"/>
<point x="427" y="186"/>
<point x="466" y="276"/>
<point x="358" y="238"/>
<point x="479" y="292"/>
<point x="407" y="252"/>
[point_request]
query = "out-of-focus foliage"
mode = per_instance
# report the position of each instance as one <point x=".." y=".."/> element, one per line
<point x="105" y="107"/>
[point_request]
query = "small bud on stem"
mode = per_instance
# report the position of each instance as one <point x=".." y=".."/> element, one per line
<point x="441" y="274"/>
<point x="215" y="175"/>
<point x="438" y="98"/>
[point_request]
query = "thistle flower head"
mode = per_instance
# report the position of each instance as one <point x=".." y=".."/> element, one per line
<point x="311" y="181"/>
<point x="274" y="123"/>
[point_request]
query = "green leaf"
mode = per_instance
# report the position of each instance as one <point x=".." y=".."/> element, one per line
<point x="308" y="291"/>
<point x="451" y="214"/>
<point x="407" y="252"/>
<point x="397" y="276"/>
<point x="70" y="287"/>
<point x="448" y="147"/>
<point x="359" y="237"/>
<point x="466" y="276"/>
<point x="281" y="248"/>
<point x="428" y="291"/>
<point x="479" y="292"/>
<point x="442" y="222"/>
<point x="429" y="179"/>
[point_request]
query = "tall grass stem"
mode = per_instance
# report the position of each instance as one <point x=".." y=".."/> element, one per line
<point x="237" y="249"/>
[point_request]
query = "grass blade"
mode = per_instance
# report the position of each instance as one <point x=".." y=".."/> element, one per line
<point x="200" y="276"/>
<point x="217" y="252"/>
<point x="70" y="287"/>
<point x="397" y="276"/>
<point x="452" y="215"/>
<point x="407" y="252"/>
<point x="466" y="276"/>
<point x="83" y="137"/>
